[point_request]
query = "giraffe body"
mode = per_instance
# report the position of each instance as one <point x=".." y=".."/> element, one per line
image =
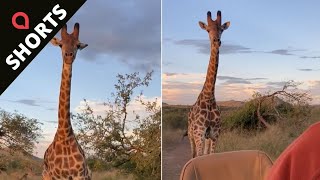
<point x="204" y="123"/>
<point x="64" y="158"/>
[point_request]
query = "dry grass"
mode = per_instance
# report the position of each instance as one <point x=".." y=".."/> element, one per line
<point x="17" y="165"/>
<point x="111" y="175"/>
<point x="170" y="137"/>
<point x="272" y="141"/>
<point x="104" y="175"/>
<point x="17" y="176"/>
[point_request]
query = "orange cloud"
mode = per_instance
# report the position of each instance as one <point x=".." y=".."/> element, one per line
<point x="185" y="88"/>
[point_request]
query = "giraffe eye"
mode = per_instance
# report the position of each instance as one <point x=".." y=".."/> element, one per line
<point x="60" y="45"/>
<point x="78" y="46"/>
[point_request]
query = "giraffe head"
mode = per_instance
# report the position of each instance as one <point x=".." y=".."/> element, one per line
<point x="214" y="28"/>
<point x="69" y="43"/>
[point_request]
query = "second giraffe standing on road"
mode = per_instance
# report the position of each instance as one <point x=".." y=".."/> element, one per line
<point x="204" y="123"/>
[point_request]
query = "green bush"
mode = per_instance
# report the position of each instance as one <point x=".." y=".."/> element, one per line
<point x="246" y="117"/>
<point x="175" y="117"/>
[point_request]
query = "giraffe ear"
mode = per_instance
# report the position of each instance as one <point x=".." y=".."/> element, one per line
<point x="202" y="25"/>
<point x="56" y="41"/>
<point x="82" y="46"/>
<point x="225" y="25"/>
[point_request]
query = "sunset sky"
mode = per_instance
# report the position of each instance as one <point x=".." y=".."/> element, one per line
<point x="268" y="43"/>
<point x="123" y="37"/>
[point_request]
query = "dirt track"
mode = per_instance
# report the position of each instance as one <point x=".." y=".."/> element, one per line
<point x="174" y="158"/>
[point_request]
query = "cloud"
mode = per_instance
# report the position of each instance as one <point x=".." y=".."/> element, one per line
<point x="197" y="79"/>
<point x="182" y="85"/>
<point x="28" y="102"/>
<point x="185" y="88"/>
<point x="203" y="46"/>
<point x="36" y="103"/>
<point x="32" y="102"/>
<point x="52" y="122"/>
<point x="257" y="78"/>
<point x="308" y="70"/>
<point x="228" y="48"/>
<point x="41" y="148"/>
<point x="314" y="90"/>
<point x="173" y="74"/>
<point x="237" y="80"/>
<point x="233" y="80"/>
<point x="51" y="109"/>
<point x="281" y="52"/>
<point x="125" y="30"/>
<point x="277" y="83"/>
<point x="186" y="93"/>
<point x="99" y="107"/>
<point x="310" y="57"/>
<point x="233" y="49"/>
<point x="286" y="52"/>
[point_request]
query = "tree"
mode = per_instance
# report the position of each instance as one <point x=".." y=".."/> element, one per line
<point x="18" y="132"/>
<point x="268" y="107"/>
<point x="131" y="143"/>
<point x="289" y="95"/>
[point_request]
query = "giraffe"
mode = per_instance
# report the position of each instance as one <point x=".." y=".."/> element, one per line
<point x="64" y="158"/>
<point x="204" y="124"/>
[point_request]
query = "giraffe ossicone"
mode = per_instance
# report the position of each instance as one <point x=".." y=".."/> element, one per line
<point x="64" y="158"/>
<point x="204" y="123"/>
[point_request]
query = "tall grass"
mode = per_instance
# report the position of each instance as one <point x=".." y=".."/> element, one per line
<point x="111" y="175"/>
<point x="102" y="175"/>
<point x="272" y="140"/>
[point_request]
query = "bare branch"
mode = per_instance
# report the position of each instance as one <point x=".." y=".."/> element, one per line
<point x="289" y="92"/>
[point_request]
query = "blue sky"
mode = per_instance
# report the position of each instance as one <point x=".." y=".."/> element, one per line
<point x="122" y="37"/>
<point x="268" y="43"/>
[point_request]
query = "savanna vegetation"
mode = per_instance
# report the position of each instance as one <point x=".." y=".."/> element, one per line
<point x="120" y="144"/>
<point x="118" y="138"/>
<point x="18" y="137"/>
<point x="268" y="121"/>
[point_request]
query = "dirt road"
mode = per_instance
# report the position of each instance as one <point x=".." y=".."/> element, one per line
<point x="174" y="158"/>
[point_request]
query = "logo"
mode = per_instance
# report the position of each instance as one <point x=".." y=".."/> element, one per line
<point x="29" y="30"/>
<point x="25" y="18"/>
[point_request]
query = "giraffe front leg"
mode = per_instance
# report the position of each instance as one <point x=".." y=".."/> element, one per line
<point x="192" y="144"/>
<point x="89" y="173"/>
<point x="213" y="144"/>
<point x="45" y="175"/>
<point x="214" y="135"/>
<point x="199" y="142"/>
<point x="207" y="146"/>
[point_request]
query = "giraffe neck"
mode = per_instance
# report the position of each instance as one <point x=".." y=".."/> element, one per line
<point x="208" y="90"/>
<point x="64" y="126"/>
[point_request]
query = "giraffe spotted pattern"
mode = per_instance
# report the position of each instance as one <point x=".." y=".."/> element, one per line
<point x="204" y="123"/>
<point x="64" y="158"/>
